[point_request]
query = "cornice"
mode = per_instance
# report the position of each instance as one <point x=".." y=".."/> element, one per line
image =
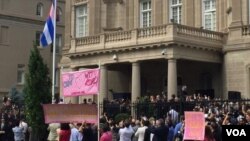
<point x="24" y="19"/>
<point x="143" y="47"/>
<point x="236" y="47"/>
<point x="113" y="1"/>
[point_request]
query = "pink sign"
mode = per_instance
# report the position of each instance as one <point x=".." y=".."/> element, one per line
<point x="194" y="126"/>
<point x="83" y="82"/>
<point x="63" y="113"/>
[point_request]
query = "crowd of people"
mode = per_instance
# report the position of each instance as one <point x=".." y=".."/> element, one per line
<point x="172" y="128"/>
<point x="13" y="125"/>
<point x="169" y="126"/>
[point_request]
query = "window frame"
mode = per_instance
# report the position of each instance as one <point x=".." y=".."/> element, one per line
<point x="179" y="13"/>
<point x="59" y="14"/>
<point x="4" y="40"/>
<point x="38" y="39"/>
<point x="21" y="68"/>
<point x="148" y="11"/>
<point x="39" y="9"/>
<point x="58" y="44"/>
<point x="86" y="26"/>
<point x="211" y="12"/>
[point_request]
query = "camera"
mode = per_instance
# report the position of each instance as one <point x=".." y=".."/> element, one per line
<point x="163" y="52"/>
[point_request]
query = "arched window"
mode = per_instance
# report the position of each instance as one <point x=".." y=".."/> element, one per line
<point x="58" y="14"/>
<point x="39" y="9"/>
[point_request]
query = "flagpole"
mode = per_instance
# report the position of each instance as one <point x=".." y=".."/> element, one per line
<point x="54" y="53"/>
<point x="98" y="105"/>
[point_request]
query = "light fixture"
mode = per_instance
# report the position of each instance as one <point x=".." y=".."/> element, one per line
<point x="115" y="57"/>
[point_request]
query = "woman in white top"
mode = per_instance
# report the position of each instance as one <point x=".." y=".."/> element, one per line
<point x="141" y="130"/>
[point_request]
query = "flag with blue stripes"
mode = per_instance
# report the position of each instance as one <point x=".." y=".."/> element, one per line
<point x="48" y="31"/>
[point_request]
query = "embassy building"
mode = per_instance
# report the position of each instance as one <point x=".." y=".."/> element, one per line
<point x="21" y="24"/>
<point x="151" y="47"/>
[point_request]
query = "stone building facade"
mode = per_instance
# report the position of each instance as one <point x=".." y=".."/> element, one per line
<point x="21" y="24"/>
<point x="150" y="47"/>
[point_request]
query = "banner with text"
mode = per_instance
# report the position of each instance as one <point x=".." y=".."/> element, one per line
<point x="194" y="126"/>
<point x="64" y="113"/>
<point x="85" y="82"/>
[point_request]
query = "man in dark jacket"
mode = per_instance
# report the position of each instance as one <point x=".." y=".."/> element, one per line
<point x="161" y="131"/>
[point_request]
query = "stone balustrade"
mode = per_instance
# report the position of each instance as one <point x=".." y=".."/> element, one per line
<point x="149" y="35"/>
<point x="118" y="36"/>
<point x="88" y="40"/>
<point x="245" y="30"/>
<point x="152" y="31"/>
<point x="199" y="33"/>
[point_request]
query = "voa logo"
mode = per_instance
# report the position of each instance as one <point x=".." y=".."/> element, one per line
<point x="236" y="132"/>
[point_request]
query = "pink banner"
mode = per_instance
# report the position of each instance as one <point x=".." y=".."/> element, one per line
<point x="83" y="82"/>
<point x="194" y="126"/>
<point x="63" y="113"/>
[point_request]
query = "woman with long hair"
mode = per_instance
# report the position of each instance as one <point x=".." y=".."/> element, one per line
<point x="209" y="133"/>
<point x="64" y="132"/>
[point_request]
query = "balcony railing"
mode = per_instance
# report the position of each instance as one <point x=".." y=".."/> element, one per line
<point x="152" y="31"/>
<point x="88" y="40"/>
<point x="200" y="33"/>
<point x="148" y="35"/>
<point x="246" y="30"/>
<point x="118" y="36"/>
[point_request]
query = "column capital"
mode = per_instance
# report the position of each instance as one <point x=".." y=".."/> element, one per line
<point x="74" y="68"/>
<point x="103" y="66"/>
<point x="172" y="59"/>
<point x="135" y="63"/>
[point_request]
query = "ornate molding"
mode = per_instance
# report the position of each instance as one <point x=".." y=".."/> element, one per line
<point x="113" y="1"/>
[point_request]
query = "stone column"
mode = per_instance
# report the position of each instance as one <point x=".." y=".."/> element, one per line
<point x="236" y="13"/>
<point x="172" y="77"/>
<point x="130" y="11"/>
<point x="75" y="99"/>
<point x="136" y="81"/>
<point x="136" y="13"/>
<point x="103" y="83"/>
<point x="136" y="85"/>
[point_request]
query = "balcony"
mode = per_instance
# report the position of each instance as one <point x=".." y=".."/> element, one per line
<point x="149" y="37"/>
<point x="245" y="30"/>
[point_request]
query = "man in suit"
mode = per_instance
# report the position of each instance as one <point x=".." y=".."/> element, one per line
<point x="161" y="131"/>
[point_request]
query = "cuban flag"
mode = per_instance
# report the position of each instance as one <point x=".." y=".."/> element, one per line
<point x="49" y="28"/>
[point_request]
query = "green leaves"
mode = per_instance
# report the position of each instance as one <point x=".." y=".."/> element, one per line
<point x="37" y="91"/>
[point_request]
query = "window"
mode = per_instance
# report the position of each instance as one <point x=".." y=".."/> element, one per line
<point x="57" y="74"/>
<point x="58" y="43"/>
<point x="38" y="37"/>
<point x="209" y="14"/>
<point x="175" y="11"/>
<point x="145" y="6"/>
<point x="58" y="14"/>
<point x="4" y="35"/>
<point x="81" y="21"/>
<point x="39" y="9"/>
<point x="20" y="73"/>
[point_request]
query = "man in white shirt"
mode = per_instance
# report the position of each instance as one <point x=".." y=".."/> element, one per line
<point x="24" y="125"/>
<point x="126" y="132"/>
<point x="18" y="132"/>
<point x="75" y="134"/>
